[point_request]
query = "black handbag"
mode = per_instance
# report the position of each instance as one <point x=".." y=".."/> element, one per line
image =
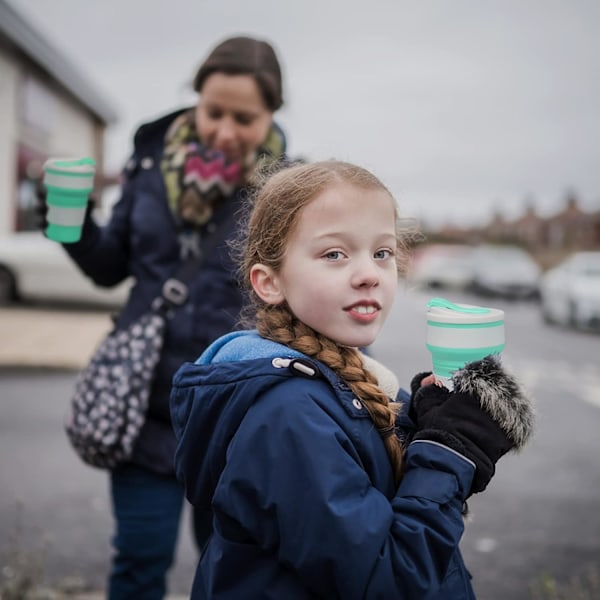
<point x="108" y="408"/>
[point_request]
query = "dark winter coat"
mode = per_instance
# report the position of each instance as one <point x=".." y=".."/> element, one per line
<point x="141" y="241"/>
<point x="301" y="486"/>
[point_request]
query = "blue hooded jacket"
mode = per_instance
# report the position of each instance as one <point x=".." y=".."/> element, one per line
<point x="301" y="487"/>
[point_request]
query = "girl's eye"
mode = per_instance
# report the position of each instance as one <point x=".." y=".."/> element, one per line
<point x="334" y="255"/>
<point x="383" y="254"/>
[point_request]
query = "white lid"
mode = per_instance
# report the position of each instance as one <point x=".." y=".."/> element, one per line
<point x="71" y="165"/>
<point x="443" y="311"/>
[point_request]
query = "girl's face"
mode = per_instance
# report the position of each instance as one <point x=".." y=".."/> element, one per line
<point x="231" y="115"/>
<point x="339" y="272"/>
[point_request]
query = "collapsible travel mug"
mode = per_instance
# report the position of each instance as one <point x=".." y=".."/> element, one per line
<point x="461" y="333"/>
<point x="68" y="183"/>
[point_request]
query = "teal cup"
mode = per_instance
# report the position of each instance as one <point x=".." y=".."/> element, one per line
<point x="458" y="334"/>
<point x="69" y="183"/>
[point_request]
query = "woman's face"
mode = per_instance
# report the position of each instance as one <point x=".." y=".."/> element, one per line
<point x="231" y="115"/>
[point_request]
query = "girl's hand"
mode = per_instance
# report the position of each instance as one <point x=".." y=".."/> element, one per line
<point x="431" y="380"/>
<point x="419" y="405"/>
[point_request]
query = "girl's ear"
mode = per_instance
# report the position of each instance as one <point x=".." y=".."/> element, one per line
<point x="266" y="284"/>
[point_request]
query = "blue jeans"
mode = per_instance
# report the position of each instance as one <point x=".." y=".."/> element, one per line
<point x="147" y="510"/>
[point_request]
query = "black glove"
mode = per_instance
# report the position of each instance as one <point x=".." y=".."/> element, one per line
<point x="415" y="383"/>
<point x="415" y="386"/>
<point x="486" y="416"/>
<point x="458" y="421"/>
<point x="41" y="207"/>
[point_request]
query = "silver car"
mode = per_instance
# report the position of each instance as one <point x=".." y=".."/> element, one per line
<point x="570" y="292"/>
<point x="504" y="271"/>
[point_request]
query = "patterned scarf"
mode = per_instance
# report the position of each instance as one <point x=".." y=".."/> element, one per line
<point x="198" y="179"/>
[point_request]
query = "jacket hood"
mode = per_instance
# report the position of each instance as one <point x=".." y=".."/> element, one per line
<point x="210" y="398"/>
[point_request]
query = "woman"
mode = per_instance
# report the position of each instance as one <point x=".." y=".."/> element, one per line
<point x="182" y="187"/>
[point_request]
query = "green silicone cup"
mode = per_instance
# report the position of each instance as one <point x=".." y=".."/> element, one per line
<point x="69" y="183"/>
<point x="69" y="164"/>
<point x="67" y="200"/>
<point x="63" y="234"/>
<point x="448" y="360"/>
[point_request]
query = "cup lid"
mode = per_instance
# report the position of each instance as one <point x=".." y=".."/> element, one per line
<point x="444" y="311"/>
<point x="82" y="165"/>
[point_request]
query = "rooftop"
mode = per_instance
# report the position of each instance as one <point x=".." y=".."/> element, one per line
<point x="18" y="33"/>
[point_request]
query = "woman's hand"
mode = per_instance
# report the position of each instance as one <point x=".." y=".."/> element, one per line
<point x="41" y="206"/>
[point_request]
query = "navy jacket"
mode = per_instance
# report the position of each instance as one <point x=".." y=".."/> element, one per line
<point x="141" y="240"/>
<point x="301" y="488"/>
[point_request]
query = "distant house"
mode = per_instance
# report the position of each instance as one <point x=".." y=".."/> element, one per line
<point x="573" y="228"/>
<point x="47" y="109"/>
<point x="548" y="239"/>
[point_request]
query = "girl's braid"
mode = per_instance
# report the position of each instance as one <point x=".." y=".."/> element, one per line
<point x="277" y="323"/>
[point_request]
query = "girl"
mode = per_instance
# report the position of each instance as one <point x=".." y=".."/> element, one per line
<point x="320" y="486"/>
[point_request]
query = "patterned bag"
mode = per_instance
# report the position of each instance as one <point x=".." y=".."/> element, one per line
<point x="108" y="408"/>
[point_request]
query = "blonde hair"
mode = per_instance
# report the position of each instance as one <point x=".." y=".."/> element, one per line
<point x="275" y="212"/>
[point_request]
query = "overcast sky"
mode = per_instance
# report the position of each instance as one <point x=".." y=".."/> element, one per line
<point x="461" y="107"/>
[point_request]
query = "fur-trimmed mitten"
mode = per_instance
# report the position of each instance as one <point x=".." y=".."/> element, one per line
<point x="485" y="416"/>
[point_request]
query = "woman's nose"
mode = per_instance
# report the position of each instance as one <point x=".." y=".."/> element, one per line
<point x="225" y="132"/>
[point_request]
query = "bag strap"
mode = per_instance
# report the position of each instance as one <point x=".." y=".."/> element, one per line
<point x="174" y="291"/>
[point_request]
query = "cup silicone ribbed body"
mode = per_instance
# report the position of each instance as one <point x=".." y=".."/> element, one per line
<point x="461" y="333"/>
<point x="69" y="183"/>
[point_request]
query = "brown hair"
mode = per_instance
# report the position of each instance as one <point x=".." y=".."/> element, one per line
<point x="275" y="213"/>
<point x="246" y="56"/>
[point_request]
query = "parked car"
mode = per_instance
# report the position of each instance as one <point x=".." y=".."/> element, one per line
<point x="570" y="292"/>
<point x="504" y="271"/>
<point x="34" y="268"/>
<point x="444" y="266"/>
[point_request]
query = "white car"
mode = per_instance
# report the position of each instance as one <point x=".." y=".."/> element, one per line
<point x="446" y="266"/>
<point x="504" y="271"/>
<point x="34" y="268"/>
<point x="570" y="292"/>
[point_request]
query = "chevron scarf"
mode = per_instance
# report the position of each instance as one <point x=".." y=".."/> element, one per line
<point x="198" y="178"/>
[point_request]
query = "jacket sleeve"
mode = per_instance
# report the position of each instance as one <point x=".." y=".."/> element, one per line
<point x="103" y="252"/>
<point x="295" y="481"/>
